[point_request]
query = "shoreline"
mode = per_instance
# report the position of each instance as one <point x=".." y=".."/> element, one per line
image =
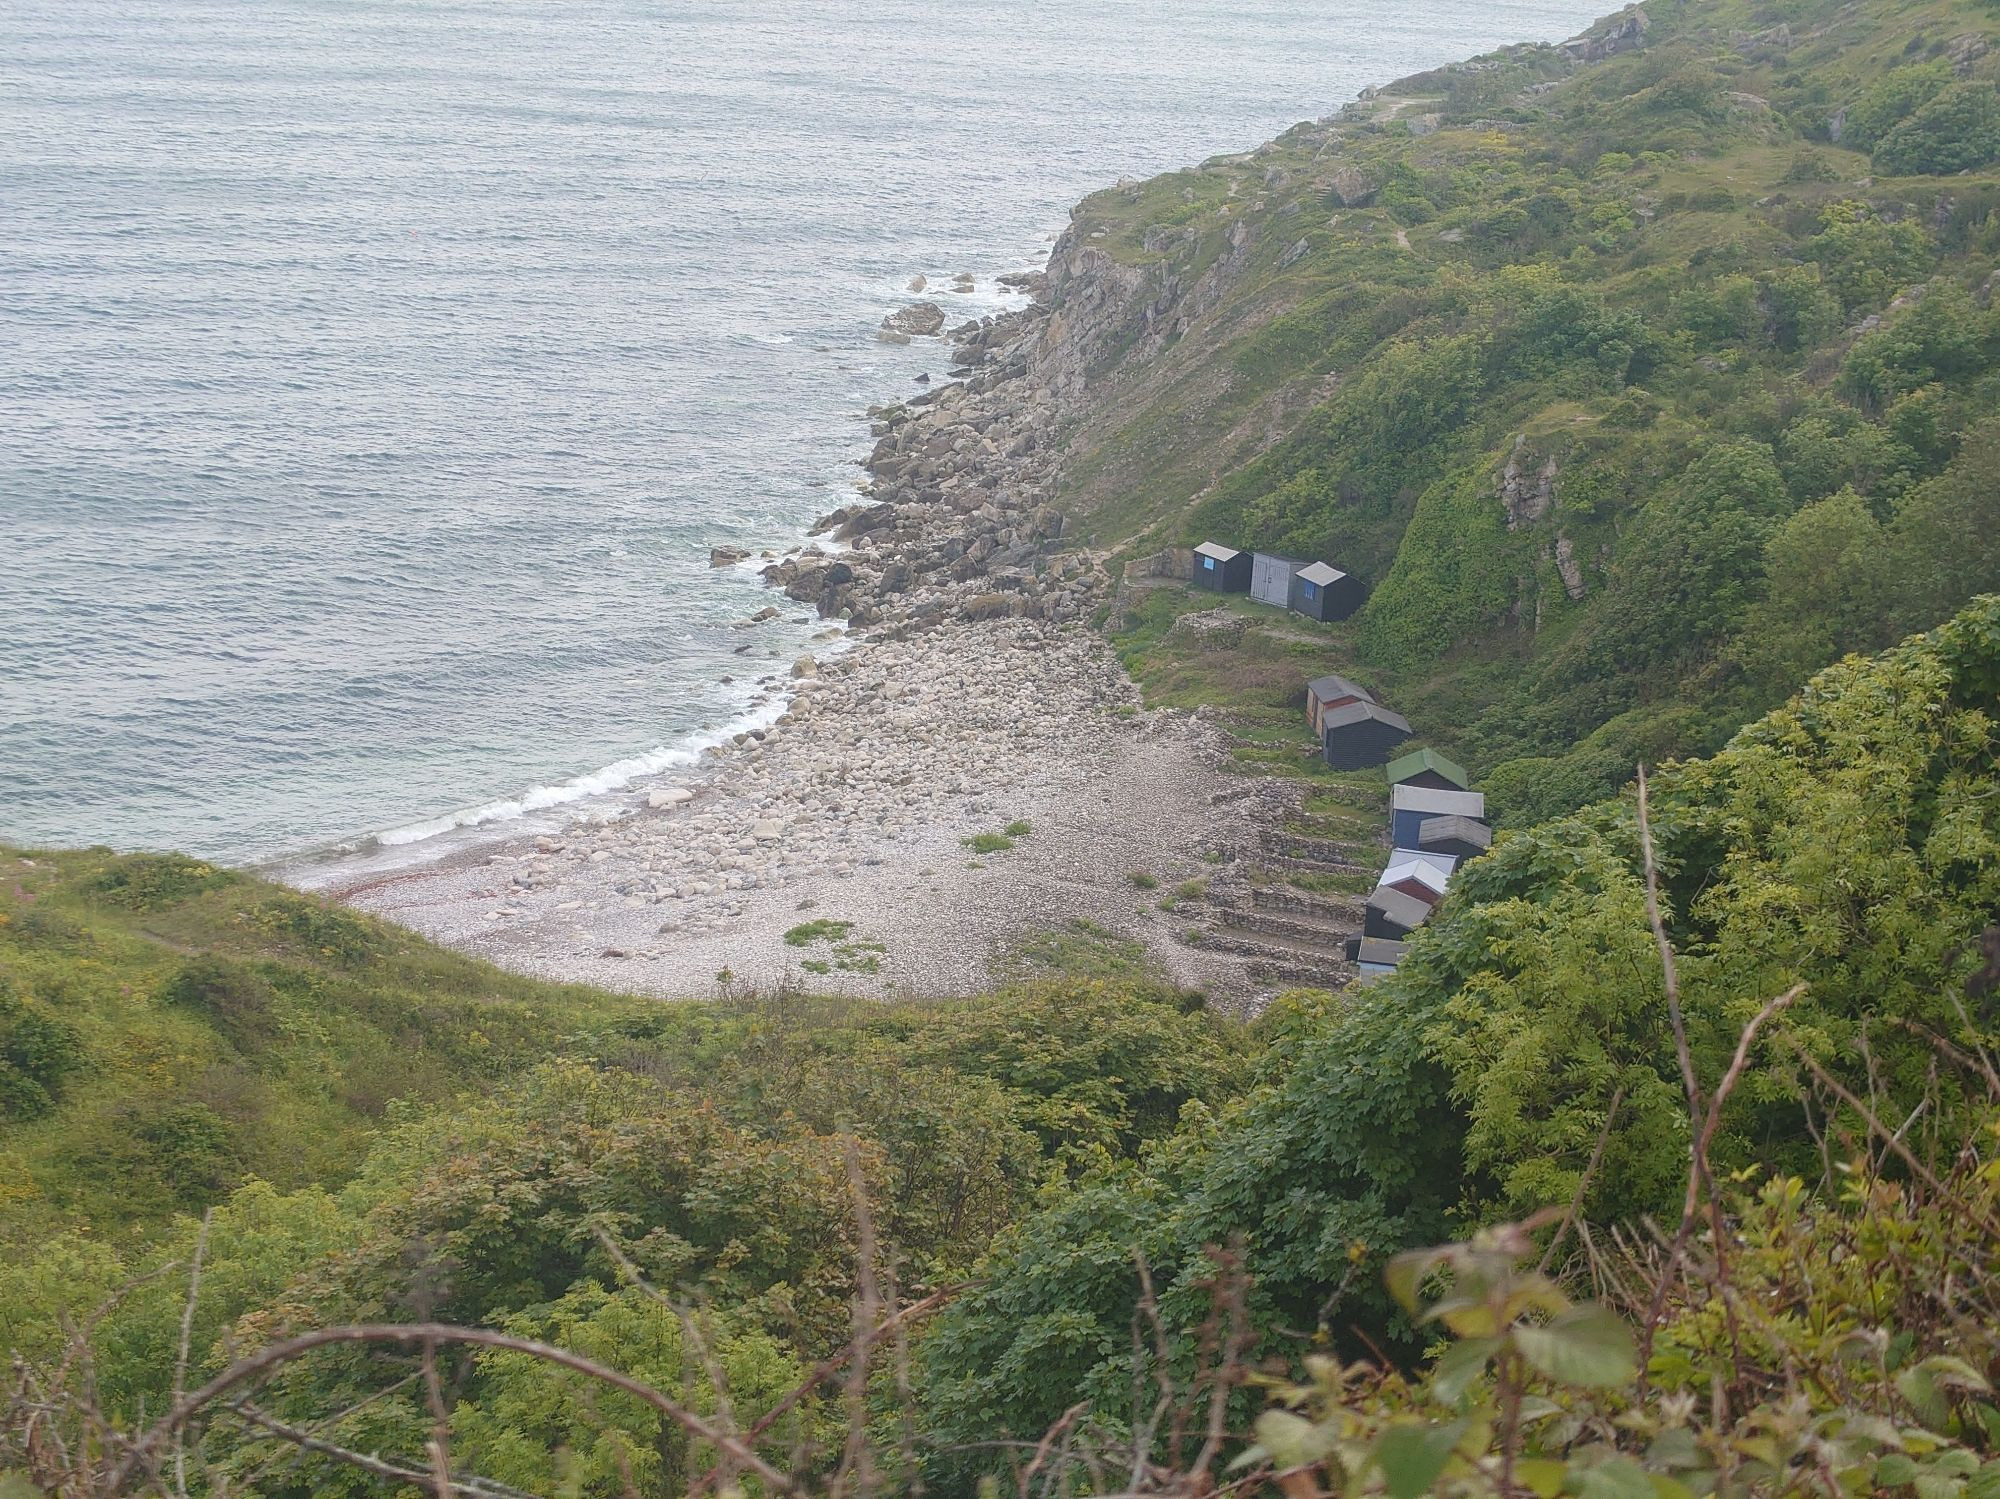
<point x="834" y="850"/>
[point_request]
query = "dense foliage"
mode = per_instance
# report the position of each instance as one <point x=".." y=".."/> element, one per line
<point x="1636" y="392"/>
<point x="1641" y="402"/>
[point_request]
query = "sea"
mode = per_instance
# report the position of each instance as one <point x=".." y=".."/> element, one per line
<point x="377" y="375"/>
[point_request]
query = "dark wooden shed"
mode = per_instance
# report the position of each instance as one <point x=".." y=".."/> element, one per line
<point x="1323" y="592"/>
<point x="1357" y="735"/>
<point x="1411" y="807"/>
<point x="1463" y="837"/>
<point x="1393" y="914"/>
<point x="1327" y="692"/>
<point x="1221" y="569"/>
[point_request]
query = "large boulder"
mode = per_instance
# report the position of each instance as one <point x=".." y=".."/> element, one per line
<point x="918" y="320"/>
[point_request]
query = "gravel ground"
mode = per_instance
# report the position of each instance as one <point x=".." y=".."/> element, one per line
<point x="854" y="809"/>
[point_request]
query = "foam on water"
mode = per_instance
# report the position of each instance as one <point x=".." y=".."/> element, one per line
<point x="380" y="374"/>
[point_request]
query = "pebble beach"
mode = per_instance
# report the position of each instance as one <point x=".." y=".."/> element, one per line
<point x="969" y="769"/>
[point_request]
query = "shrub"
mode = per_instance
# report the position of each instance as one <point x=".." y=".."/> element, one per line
<point x="232" y="997"/>
<point x="152" y="882"/>
<point x="1957" y="131"/>
<point x="38" y="1054"/>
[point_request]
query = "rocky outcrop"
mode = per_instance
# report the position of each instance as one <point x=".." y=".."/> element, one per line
<point x="1624" y="32"/>
<point x="1570" y="570"/>
<point x="918" y="320"/>
<point x="1527" y="496"/>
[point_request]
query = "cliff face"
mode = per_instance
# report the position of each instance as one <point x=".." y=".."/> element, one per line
<point x="1554" y="348"/>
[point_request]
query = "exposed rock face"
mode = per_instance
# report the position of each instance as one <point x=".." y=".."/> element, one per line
<point x="918" y="320"/>
<point x="1624" y="32"/>
<point x="1527" y="498"/>
<point x="726" y="556"/>
<point x="1570" y="569"/>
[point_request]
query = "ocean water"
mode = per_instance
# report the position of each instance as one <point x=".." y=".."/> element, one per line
<point x="378" y="373"/>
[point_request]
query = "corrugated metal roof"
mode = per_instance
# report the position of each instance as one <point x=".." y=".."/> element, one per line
<point x="1405" y="911"/>
<point x="1416" y="762"/>
<point x="1444" y="803"/>
<point x="1456" y="830"/>
<point x="1217" y="550"/>
<point x="1353" y="713"/>
<point x="1441" y="865"/>
<point x="1331" y="686"/>
<point x="1321" y="573"/>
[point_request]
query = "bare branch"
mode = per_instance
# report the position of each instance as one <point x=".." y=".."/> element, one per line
<point x="142" y="1450"/>
<point x="187" y="1338"/>
<point x="1667" y="965"/>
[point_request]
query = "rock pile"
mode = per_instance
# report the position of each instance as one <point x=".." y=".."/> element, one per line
<point x="955" y="523"/>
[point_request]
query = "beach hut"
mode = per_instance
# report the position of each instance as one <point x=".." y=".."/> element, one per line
<point x="1426" y="767"/>
<point x="1445" y="864"/>
<point x="1410" y="807"/>
<point x="1221" y="569"/>
<point x="1375" y="956"/>
<point x="1327" y="692"/>
<point x="1325" y="593"/>
<point x="1415" y="877"/>
<point x="1460" y="836"/>
<point x="1393" y="914"/>
<point x="1357" y="735"/>
<point x="1271" y="578"/>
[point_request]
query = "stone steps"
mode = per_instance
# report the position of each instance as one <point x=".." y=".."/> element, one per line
<point x="1291" y="928"/>
<point x="1333" y="909"/>
<point x="1275" y="959"/>
<point x="1325" y="853"/>
<point x="1277" y="864"/>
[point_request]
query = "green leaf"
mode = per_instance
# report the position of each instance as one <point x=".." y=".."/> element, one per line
<point x="1459" y="1365"/>
<point x="1894" y="1471"/>
<point x="1615" y="1478"/>
<point x="1588" y="1347"/>
<point x="1985" y="1484"/>
<point x="1405" y="1274"/>
<point x="1291" y="1441"/>
<point x="1413" y="1456"/>
<point x="1541" y="1475"/>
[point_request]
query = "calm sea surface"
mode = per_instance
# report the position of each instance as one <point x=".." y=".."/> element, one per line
<point x="375" y="377"/>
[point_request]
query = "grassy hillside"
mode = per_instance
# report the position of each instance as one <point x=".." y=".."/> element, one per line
<point x="1638" y="380"/>
<point x="1048" y="1149"/>
<point x="169" y="1028"/>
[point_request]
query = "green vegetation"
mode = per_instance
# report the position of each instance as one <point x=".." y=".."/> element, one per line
<point x="1054" y="1148"/>
<point x="1019" y="828"/>
<point x="1641" y="399"/>
<point x="847" y="956"/>
<point x="1607" y="381"/>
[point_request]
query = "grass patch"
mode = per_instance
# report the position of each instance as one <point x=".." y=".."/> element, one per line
<point x="855" y="956"/>
<point x="806" y="933"/>
<point x="1019" y="828"/>
<point x="1332" y="884"/>
<point x="988" y="843"/>
<point x="1081" y="949"/>
<point x="1142" y="880"/>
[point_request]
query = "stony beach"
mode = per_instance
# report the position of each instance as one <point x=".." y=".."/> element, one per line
<point x="852" y="844"/>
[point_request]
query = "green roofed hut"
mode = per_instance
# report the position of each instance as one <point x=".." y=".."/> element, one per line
<point x="1221" y="569"/>
<point x="1426" y="767"/>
